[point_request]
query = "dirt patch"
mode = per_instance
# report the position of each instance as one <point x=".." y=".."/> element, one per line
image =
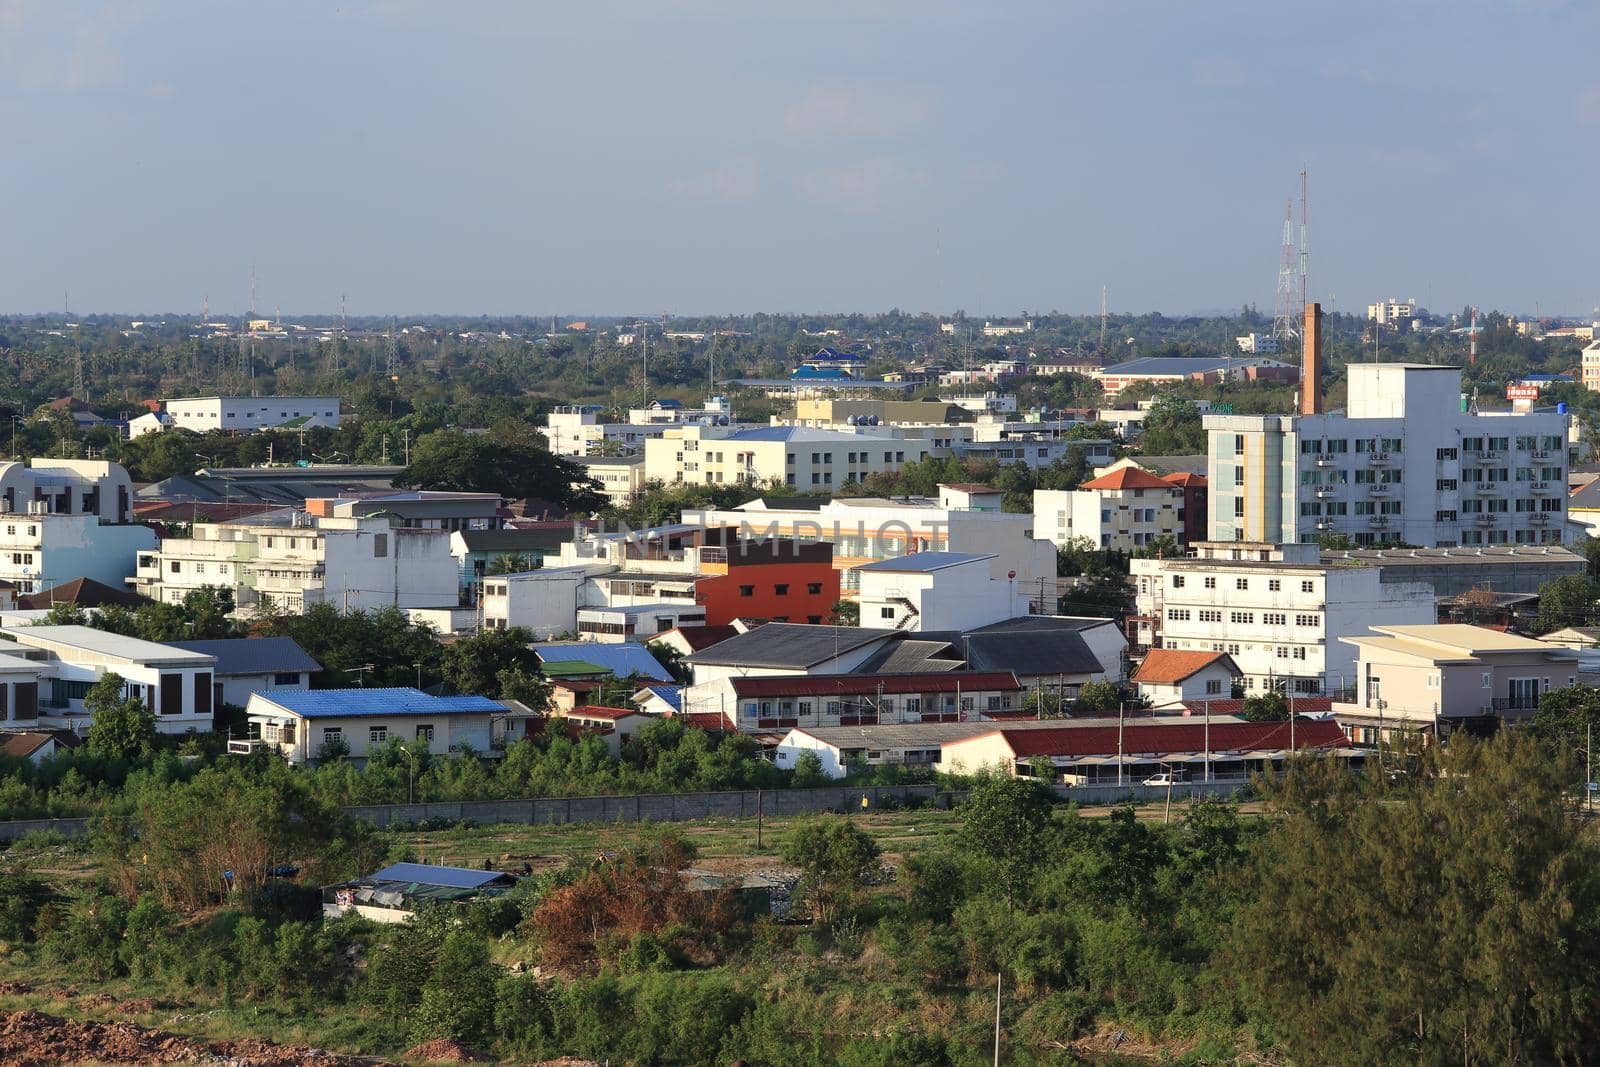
<point x="143" y="1006"/>
<point x="15" y="989"/>
<point x="444" y="1050"/>
<point x="30" y="1038"/>
<point x="97" y="1000"/>
<point x="566" y="1061"/>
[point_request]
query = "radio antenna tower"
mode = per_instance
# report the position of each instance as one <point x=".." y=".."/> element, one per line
<point x="1285" y="312"/>
<point x="252" y="289"/>
<point x="389" y="366"/>
<point x="1102" y="319"/>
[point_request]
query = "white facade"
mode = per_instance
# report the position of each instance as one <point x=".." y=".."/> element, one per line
<point x="937" y="591"/>
<point x="442" y="724"/>
<point x="293" y="562"/>
<point x="62" y="519"/>
<point x="245" y="414"/>
<point x="175" y="684"/>
<point x="865" y="529"/>
<point x="1257" y="344"/>
<point x="1277" y="610"/>
<point x="807" y="459"/>
<point x="1391" y="311"/>
<point x="1406" y="463"/>
<point x="621" y="478"/>
<point x="1123" y="518"/>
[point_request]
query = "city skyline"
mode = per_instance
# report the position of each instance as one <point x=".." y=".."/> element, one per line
<point x="842" y="158"/>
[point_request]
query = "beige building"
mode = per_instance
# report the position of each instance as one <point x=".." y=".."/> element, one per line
<point x="805" y="459"/>
<point x="620" y="477"/>
<point x="1414" y="678"/>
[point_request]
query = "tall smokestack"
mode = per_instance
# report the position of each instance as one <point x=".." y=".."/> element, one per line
<point x="1311" y="362"/>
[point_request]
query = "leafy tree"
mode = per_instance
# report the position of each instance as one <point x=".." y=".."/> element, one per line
<point x="513" y="563"/>
<point x="511" y="466"/>
<point x="122" y="727"/>
<point x="458" y="998"/>
<point x="1490" y="886"/>
<point x="808" y="772"/>
<point x="1565" y="717"/>
<point x="845" y="613"/>
<point x="835" y="860"/>
<point x="474" y="664"/>
<point x="1270" y="706"/>
<point x="672" y="660"/>
<point x="1567" y="601"/>
<point x="1173" y="428"/>
<point x="1098" y="698"/>
<point x="1003" y="821"/>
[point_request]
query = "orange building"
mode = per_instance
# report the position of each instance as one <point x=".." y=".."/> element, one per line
<point x="777" y="580"/>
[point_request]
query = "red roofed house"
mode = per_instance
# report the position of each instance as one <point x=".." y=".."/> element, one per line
<point x="615" y="725"/>
<point x="1171" y="676"/>
<point x="1109" y="755"/>
<point x="1123" y="509"/>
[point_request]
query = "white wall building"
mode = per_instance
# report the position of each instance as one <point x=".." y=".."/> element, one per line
<point x="1124" y="510"/>
<point x="299" y="723"/>
<point x="1257" y="344"/>
<point x="62" y="519"/>
<point x="937" y="591"/>
<point x="294" y="561"/>
<point x="174" y="683"/>
<point x="1405" y="463"/>
<point x="242" y="414"/>
<point x="1277" y="610"/>
<point x="1391" y="312"/>
<point x="963" y="518"/>
<point x="807" y="459"/>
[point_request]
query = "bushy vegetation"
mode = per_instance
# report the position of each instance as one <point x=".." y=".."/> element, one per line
<point x="1213" y="937"/>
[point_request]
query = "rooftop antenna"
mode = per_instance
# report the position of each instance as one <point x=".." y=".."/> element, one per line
<point x="1472" y="339"/>
<point x="1305" y="243"/>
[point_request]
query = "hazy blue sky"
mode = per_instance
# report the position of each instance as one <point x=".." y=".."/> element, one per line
<point x="738" y="155"/>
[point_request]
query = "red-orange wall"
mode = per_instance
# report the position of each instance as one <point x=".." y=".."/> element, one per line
<point x="723" y="604"/>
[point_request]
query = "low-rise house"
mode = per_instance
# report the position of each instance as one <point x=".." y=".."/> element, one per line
<point x="174" y="683"/>
<point x="659" y="699"/>
<point x="784" y="701"/>
<point x="507" y="550"/>
<point x="1573" y="637"/>
<point x="1109" y="754"/>
<point x="1168" y="677"/>
<point x="62" y="519"/>
<point x="1437" y="678"/>
<point x="393" y="894"/>
<point x="37" y="746"/>
<point x="613" y="725"/>
<point x="937" y="591"/>
<point x="247" y="665"/>
<point x="626" y="660"/>
<point x="300" y="723"/>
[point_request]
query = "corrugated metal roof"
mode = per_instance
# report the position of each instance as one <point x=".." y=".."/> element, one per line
<point x="254" y="655"/>
<point x="785" y="644"/>
<point x="862" y="684"/>
<point x="624" y="660"/>
<point x="1162" y="739"/>
<point x="343" y="703"/>
<point x="922" y="562"/>
<point x="100" y="642"/>
<point x="427" y="874"/>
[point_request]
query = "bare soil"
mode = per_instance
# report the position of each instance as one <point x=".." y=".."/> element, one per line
<point x="30" y="1038"/>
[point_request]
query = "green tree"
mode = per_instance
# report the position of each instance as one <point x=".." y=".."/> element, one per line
<point x="1173" y="428"/>
<point x="473" y="664"/>
<point x="459" y="996"/>
<point x="808" y="772"/>
<point x="835" y="860"/>
<point x="1003" y="822"/>
<point x="1098" y="698"/>
<point x="121" y="727"/>
<point x="1270" y="706"/>
<point x="1567" y="601"/>
<point x="1565" y="717"/>
<point x="1490" y="887"/>
<point x="845" y="613"/>
<point x="510" y="465"/>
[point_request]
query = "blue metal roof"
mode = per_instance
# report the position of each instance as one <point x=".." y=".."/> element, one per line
<point x="427" y="874"/>
<point x="671" y="694"/>
<point x="923" y="561"/>
<point x="340" y="703"/>
<point x="623" y="660"/>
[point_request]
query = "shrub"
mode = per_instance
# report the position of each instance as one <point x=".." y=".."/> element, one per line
<point x="458" y="999"/>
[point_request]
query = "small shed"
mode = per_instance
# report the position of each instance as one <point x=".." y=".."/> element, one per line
<point x="393" y="894"/>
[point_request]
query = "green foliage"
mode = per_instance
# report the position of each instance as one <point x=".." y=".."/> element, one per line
<point x="474" y="664"/>
<point x="122" y="727"/>
<point x="1097" y="698"/>
<point x="1172" y="428"/>
<point x="1568" y="601"/>
<point x="1269" y="706"/>
<point x="835" y="860"/>
<point x="1003" y="822"/>
<point x="458" y="999"/>
<point x="808" y="772"/>
<point x="510" y="460"/>
<point x="1566" y="718"/>
<point x="1491" y="890"/>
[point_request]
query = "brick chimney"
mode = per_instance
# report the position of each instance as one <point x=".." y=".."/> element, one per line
<point x="1311" y="362"/>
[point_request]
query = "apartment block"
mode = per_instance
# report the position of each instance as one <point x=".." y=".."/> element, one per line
<point x="62" y="519"/>
<point x="807" y="459"/>
<point x="1279" y="611"/>
<point x="240" y="414"/>
<point x="1123" y="510"/>
<point x="1407" y="462"/>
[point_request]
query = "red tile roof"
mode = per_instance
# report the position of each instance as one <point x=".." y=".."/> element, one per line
<point x="1169" y="666"/>
<point x="595" y="711"/>
<point x="1170" y="738"/>
<point x="706" y="720"/>
<point x="1184" y="478"/>
<point x="1127" y="478"/>
<point x="1302" y="706"/>
<point x="863" y="684"/>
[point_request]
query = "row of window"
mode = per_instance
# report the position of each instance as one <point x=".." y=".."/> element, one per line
<point x="1525" y="443"/>
<point x="1242" y="618"/>
<point x="1274" y="585"/>
<point x="782" y="589"/>
<point x="376" y="735"/>
<point x="752" y="709"/>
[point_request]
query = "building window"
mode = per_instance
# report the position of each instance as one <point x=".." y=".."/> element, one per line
<point x="286" y="678"/>
<point x="1238" y="507"/>
<point x="1274" y="585"/>
<point x="814" y="588"/>
<point x="1238" y="444"/>
<point x="1241" y="583"/>
<point x="1307" y="587"/>
<point x="747" y="590"/>
<point x="1177" y="581"/>
<point x="377" y="735"/>
<point x="1213" y="687"/>
<point x="332" y="734"/>
<point x="425" y="732"/>
<point x="885" y="613"/>
<point x="1211" y="583"/>
<point x="380" y="546"/>
<point x="781" y="589"/>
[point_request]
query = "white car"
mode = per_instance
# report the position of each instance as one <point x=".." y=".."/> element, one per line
<point x="1164" y="778"/>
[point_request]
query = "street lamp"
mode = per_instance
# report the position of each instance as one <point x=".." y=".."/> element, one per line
<point x="14" y="420"/>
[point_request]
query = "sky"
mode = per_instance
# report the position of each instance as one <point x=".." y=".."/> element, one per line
<point x="728" y="156"/>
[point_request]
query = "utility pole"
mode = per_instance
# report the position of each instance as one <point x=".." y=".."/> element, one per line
<point x="1103" y="295"/>
<point x="998" y="978"/>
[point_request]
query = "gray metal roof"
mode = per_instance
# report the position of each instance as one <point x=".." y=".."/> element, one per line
<point x="923" y="562"/>
<point x="785" y="644"/>
<point x="254" y="655"/>
<point x="100" y="642"/>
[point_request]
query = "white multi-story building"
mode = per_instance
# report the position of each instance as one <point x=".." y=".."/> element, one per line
<point x="963" y="518"/>
<point x="938" y="591"/>
<point x="241" y="414"/>
<point x="621" y="478"/>
<point x="1406" y="463"/>
<point x="1124" y="510"/>
<point x="286" y="561"/>
<point x="1590" y="366"/>
<point x="174" y="683"/>
<point x="1278" y="610"/>
<point x="583" y="430"/>
<point x="1391" y="312"/>
<point x="62" y="519"/>
<point x="1253" y="344"/>
<point x="807" y="459"/>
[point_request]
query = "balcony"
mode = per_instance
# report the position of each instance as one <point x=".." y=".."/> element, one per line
<point x="1543" y="454"/>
